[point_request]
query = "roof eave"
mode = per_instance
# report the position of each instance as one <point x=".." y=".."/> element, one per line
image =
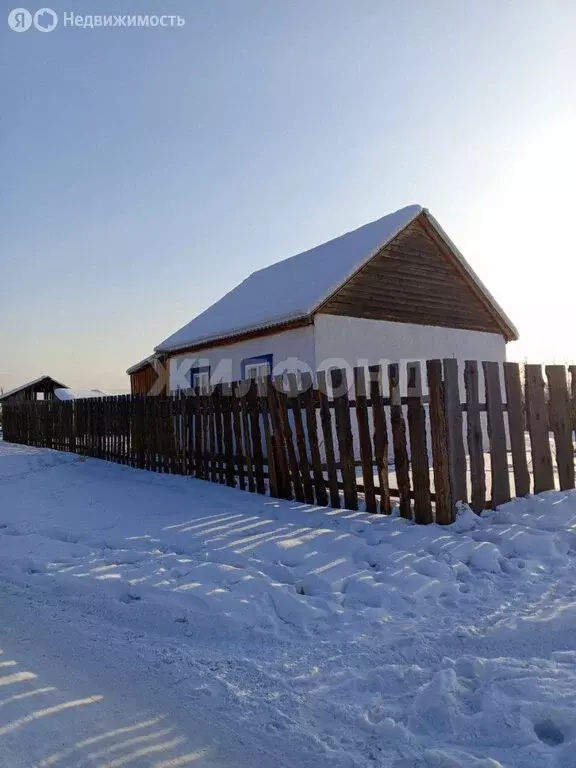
<point x="140" y="365"/>
<point x="232" y="335"/>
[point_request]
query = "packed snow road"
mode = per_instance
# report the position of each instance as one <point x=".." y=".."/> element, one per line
<point x="159" y="621"/>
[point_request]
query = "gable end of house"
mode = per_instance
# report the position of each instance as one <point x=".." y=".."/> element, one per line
<point x="419" y="278"/>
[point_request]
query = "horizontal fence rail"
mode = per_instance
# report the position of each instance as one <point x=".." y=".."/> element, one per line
<point x="479" y="433"/>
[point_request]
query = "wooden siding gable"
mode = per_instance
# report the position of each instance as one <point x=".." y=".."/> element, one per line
<point x="416" y="279"/>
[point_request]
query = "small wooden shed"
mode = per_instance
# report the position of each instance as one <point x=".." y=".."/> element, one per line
<point x="41" y="388"/>
<point x="145" y="377"/>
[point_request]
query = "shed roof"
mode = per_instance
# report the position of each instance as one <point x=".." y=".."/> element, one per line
<point x="298" y="286"/>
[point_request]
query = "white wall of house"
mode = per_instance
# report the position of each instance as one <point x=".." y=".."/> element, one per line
<point x="292" y="350"/>
<point x="356" y="341"/>
<point x="335" y="341"/>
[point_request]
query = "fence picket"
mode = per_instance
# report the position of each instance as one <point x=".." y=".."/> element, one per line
<point x="380" y="438"/>
<point x="289" y="440"/>
<point x="114" y="406"/>
<point x="312" y="430"/>
<point x="211" y="435"/>
<point x="439" y="439"/>
<point x="497" y="435"/>
<point x="216" y="403"/>
<point x="238" y="443"/>
<point x="247" y="442"/>
<point x="326" y="421"/>
<point x="474" y="437"/>
<point x="364" y="440"/>
<point x="281" y="454"/>
<point x="454" y="423"/>
<point x="572" y="369"/>
<point x="120" y="429"/>
<point x="262" y="386"/>
<point x="154" y="442"/>
<point x="419" y="449"/>
<point x="227" y="435"/>
<point x="190" y="437"/>
<point x="303" y="463"/>
<point x="198" y="436"/>
<point x="344" y="435"/>
<point x="514" y="407"/>
<point x="398" y="424"/>
<point x="257" y="454"/>
<point x="560" y="423"/>
<point x="537" y="421"/>
<point x="161" y="435"/>
<point x="168" y="435"/>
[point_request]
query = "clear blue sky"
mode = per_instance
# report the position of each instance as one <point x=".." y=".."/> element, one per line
<point x="144" y="172"/>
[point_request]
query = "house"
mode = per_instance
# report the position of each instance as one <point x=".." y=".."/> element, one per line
<point x="395" y="289"/>
<point x="42" y="388"/>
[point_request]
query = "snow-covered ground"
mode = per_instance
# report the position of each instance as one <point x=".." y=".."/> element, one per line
<point x="149" y="620"/>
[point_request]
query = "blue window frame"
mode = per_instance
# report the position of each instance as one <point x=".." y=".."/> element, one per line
<point x="200" y="377"/>
<point x="255" y="367"/>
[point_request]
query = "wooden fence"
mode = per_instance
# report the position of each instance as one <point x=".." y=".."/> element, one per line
<point x="341" y="442"/>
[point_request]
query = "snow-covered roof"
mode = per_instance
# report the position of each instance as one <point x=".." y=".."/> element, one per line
<point x="291" y="288"/>
<point x="30" y="384"/>
<point x="141" y="364"/>
<point x="65" y="393"/>
<point x="298" y="286"/>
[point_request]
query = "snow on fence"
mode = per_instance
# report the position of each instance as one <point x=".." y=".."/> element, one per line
<point x="328" y="442"/>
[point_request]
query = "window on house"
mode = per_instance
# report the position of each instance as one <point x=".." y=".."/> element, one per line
<point x="256" y="367"/>
<point x="200" y="378"/>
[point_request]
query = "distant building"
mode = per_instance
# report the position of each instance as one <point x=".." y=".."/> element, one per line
<point x="42" y="388"/>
